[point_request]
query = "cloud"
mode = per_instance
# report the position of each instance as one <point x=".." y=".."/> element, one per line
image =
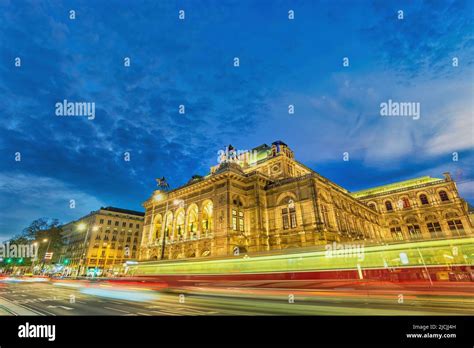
<point x="190" y="63"/>
<point x="27" y="197"/>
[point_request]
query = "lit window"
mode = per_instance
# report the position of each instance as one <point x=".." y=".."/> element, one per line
<point x="435" y="229"/>
<point x="414" y="231"/>
<point x="388" y="206"/>
<point x="234" y="219"/>
<point x="456" y="227"/>
<point x="396" y="233"/>
<point x="406" y="202"/>
<point x="241" y="221"/>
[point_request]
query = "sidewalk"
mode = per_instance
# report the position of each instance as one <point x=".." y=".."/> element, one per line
<point x="10" y="308"/>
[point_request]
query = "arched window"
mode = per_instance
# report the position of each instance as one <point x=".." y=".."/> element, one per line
<point x="168" y="224"/>
<point x="405" y="202"/>
<point x="156" y="228"/>
<point x="372" y="206"/>
<point x="423" y="199"/>
<point x="192" y="221"/>
<point x="388" y="206"/>
<point x="288" y="215"/>
<point x="443" y="196"/>
<point x="180" y="224"/>
<point x="238" y="216"/>
<point x="207" y="217"/>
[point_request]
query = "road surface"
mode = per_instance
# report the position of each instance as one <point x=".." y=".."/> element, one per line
<point x="95" y="298"/>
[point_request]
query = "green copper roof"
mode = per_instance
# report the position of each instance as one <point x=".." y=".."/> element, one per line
<point x="395" y="186"/>
<point x="262" y="152"/>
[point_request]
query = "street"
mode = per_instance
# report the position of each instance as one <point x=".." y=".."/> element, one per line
<point x="79" y="297"/>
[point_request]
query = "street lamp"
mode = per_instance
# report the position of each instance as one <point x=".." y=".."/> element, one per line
<point x="176" y="202"/>
<point x="47" y="249"/>
<point x="81" y="227"/>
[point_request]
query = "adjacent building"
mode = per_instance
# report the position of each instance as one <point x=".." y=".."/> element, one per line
<point x="102" y="240"/>
<point x="264" y="199"/>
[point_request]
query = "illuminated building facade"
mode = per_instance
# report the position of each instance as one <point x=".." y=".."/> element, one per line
<point x="102" y="240"/>
<point x="264" y="200"/>
<point x="421" y="208"/>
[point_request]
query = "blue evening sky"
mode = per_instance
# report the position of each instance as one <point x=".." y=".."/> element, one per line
<point x="190" y="62"/>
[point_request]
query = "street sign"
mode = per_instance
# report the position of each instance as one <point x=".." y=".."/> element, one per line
<point x="48" y="256"/>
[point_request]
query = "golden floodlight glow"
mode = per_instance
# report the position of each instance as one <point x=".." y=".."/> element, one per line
<point x="95" y="228"/>
<point x="81" y="226"/>
<point x="158" y="197"/>
<point x="45" y="240"/>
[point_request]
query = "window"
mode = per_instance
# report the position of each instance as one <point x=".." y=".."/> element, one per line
<point x="388" y="206"/>
<point x="372" y="206"/>
<point x="435" y="229"/>
<point x="101" y="221"/>
<point x="109" y="222"/>
<point x="396" y="233"/>
<point x="444" y="196"/>
<point x="423" y="199"/>
<point x="238" y="216"/>
<point x="414" y="231"/>
<point x="180" y="223"/>
<point x="405" y="203"/>
<point x="456" y="228"/>
<point x="116" y="223"/>
<point x="137" y="226"/>
<point x="207" y="212"/>
<point x="289" y="217"/>
<point x="285" y="217"/>
<point x="130" y="225"/>
<point x="234" y="219"/>
<point x="124" y="224"/>
<point x="241" y="221"/>
<point x="292" y="217"/>
<point x="192" y="220"/>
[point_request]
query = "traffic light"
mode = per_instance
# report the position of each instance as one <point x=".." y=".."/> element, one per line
<point x="9" y="260"/>
<point x="66" y="261"/>
<point x="20" y="260"/>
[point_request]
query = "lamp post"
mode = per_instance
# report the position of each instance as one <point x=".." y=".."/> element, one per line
<point x="35" y="258"/>
<point x="159" y="197"/>
<point x="81" y="227"/>
<point x="47" y="249"/>
<point x="163" y="242"/>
